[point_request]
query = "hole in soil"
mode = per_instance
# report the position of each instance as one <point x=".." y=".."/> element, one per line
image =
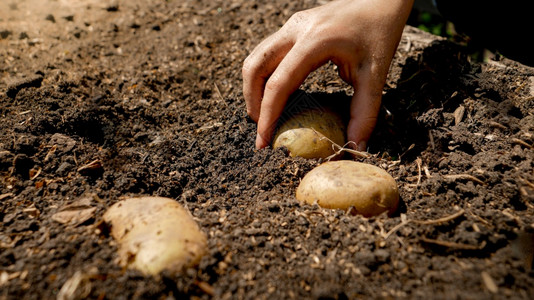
<point x="515" y="112"/>
<point x="395" y="133"/>
<point x="426" y="82"/>
<point x="502" y="168"/>
<point x="22" y="165"/>
<point x="86" y="126"/>
<point x="401" y="209"/>
<point x="516" y="202"/>
<point x="467" y="148"/>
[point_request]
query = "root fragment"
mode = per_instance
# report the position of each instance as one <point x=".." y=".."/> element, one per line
<point x="528" y="183"/>
<point x="453" y="245"/>
<point x="93" y="166"/>
<point x="521" y="142"/>
<point x="441" y="220"/>
<point x="338" y="149"/>
<point x="423" y="222"/>
<point x="464" y="177"/>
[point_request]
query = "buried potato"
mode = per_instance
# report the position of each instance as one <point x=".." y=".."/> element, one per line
<point x="155" y="234"/>
<point x="310" y="132"/>
<point x="367" y="189"/>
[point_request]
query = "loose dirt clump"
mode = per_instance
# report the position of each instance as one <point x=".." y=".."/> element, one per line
<point x="102" y="100"/>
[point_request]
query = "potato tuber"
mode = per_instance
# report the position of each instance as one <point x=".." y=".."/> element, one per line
<point x="154" y="234"/>
<point x="310" y="133"/>
<point x="368" y="189"/>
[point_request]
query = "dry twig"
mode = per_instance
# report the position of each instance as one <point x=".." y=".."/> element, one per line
<point x="205" y="287"/>
<point x="454" y="245"/>
<point x="530" y="184"/>
<point x="219" y="94"/>
<point x="90" y="167"/>
<point x="431" y="139"/>
<point x="418" y="161"/>
<point x="497" y="125"/>
<point x="35" y="173"/>
<point x="521" y="142"/>
<point x="6" y="195"/>
<point x="424" y="222"/>
<point x="427" y="172"/>
<point x="464" y="177"/>
<point x="50" y="152"/>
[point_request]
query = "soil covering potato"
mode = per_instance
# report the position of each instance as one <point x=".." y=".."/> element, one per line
<point x="154" y="234"/>
<point x="310" y="133"/>
<point x="368" y="189"/>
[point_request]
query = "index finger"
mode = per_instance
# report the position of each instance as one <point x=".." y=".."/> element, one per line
<point x="257" y="68"/>
<point x="288" y="76"/>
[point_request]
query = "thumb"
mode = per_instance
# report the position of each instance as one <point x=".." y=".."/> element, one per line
<point x="364" y="110"/>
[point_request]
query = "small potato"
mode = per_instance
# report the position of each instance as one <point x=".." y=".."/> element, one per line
<point x="368" y="189"/>
<point x="309" y="133"/>
<point x="154" y="234"/>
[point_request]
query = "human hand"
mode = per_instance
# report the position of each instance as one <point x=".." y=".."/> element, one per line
<point x="359" y="36"/>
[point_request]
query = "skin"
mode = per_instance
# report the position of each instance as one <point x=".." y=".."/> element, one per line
<point x="359" y="36"/>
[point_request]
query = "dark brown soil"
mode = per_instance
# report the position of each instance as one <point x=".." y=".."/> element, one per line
<point x="100" y="100"/>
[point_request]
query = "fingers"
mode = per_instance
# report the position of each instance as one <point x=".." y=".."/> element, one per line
<point x="364" y="110"/>
<point x="257" y="68"/>
<point x="288" y="76"/>
<point x="271" y="76"/>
